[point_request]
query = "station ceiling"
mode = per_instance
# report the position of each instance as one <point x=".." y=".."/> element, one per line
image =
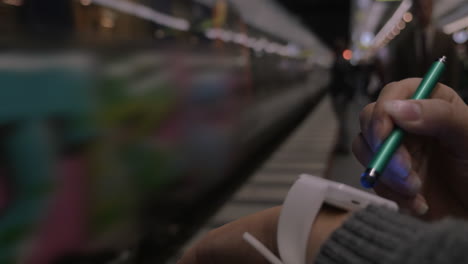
<point x="328" y="19"/>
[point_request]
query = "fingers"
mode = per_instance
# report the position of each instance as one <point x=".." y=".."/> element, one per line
<point x="403" y="191"/>
<point x="365" y="120"/>
<point x="432" y="117"/>
<point x="398" y="176"/>
<point x="445" y="106"/>
<point x="416" y="205"/>
<point x="404" y="89"/>
<point x="443" y="116"/>
<point x="190" y="257"/>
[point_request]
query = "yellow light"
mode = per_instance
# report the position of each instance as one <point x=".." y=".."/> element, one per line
<point x="107" y="19"/>
<point x="107" y="22"/>
<point x="347" y="54"/>
<point x="85" y="2"/>
<point x="407" y="17"/>
<point x="401" y="25"/>
<point x="13" y="2"/>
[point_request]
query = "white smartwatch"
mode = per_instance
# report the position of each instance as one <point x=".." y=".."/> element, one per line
<point x="300" y="208"/>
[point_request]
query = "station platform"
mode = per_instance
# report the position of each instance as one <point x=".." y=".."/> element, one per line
<point x="309" y="149"/>
<point x="345" y="168"/>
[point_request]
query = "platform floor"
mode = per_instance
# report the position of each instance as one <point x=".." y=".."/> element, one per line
<point x="305" y="151"/>
<point x="345" y="168"/>
<point x="309" y="149"/>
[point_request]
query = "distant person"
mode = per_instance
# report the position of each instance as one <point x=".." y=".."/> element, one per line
<point x="420" y="44"/>
<point x="369" y="79"/>
<point x="341" y="92"/>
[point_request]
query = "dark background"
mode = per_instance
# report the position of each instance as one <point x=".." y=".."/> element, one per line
<point x="327" y="18"/>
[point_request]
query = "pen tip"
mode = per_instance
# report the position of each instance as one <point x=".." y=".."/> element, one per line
<point x="369" y="178"/>
<point x="443" y="59"/>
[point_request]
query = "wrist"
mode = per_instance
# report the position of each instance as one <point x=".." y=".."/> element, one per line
<point x="328" y="220"/>
<point x="269" y="229"/>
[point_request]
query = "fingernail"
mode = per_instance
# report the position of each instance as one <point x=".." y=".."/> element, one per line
<point x="414" y="184"/>
<point x="403" y="109"/>
<point x="401" y="166"/>
<point x="420" y="206"/>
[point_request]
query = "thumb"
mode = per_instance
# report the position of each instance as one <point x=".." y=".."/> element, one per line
<point x="436" y="118"/>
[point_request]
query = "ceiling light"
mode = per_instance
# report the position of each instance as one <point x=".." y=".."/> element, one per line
<point x="347" y="54"/>
<point x="13" y="2"/>
<point x="460" y="37"/>
<point x="401" y="25"/>
<point x="456" y="25"/>
<point x="408" y="17"/>
<point x="85" y="2"/>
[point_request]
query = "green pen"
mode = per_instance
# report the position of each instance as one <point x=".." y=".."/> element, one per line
<point x="392" y="142"/>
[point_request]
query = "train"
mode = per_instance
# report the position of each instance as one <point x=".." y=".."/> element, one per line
<point x="124" y="124"/>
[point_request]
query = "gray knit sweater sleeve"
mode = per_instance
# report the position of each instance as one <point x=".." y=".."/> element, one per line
<point x="377" y="235"/>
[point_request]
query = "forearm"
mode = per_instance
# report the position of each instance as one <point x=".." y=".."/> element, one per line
<point x="328" y="220"/>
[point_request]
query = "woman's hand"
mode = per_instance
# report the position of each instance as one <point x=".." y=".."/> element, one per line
<point x="429" y="172"/>
<point x="225" y="244"/>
